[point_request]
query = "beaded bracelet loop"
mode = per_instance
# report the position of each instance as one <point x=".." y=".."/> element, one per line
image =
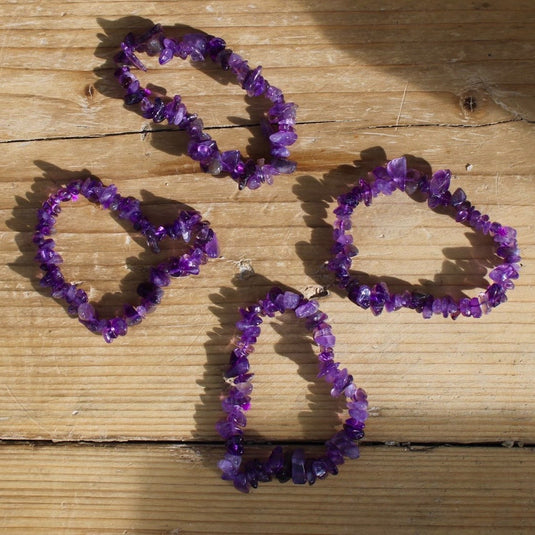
<point x="237" y="401"/>
<point x="277" y="126"/>
<point x="385" y="180"/>
<point x="188" y="226"/>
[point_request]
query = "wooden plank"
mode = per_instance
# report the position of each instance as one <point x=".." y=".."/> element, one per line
<point x="434" y="380"/>
<point x="452" y="85"/>
<point x="381" y="64"/>
<point x="151" y="489"/>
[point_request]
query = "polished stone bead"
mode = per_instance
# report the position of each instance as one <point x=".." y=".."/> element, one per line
<point x="314" y="320"/>
<point x="214" y="47"/>
<point x="227" y="429"/>
<point x="320" y="468"/>
<point x="285" y="472"/>
<point x="230" y="160"/>
<point x="189" y="265"/>
<point x="504" y="272"/>
<point x="175" y="111"/>
<point x="289" y="300"/>
<point x="256" y="473"/>
<point x="360" y="294"/>
<point x="440" y="182"/>
<point x="238" y="66"/>
<point x="149" y="291"/>
<point x="505" y="235"/>
<point x="383" y="186"/>
<point x="202" y="150"/>
<point x="274" y="94"/>
<point x="379" y="295"/>
<point x="86" y="312"/>
<point x="310" y="472"/>
<point x="394" y="302"/>
<point x="307" y="309"/>
<point x="159" y="277"/>
<point x="509" y="254"/>
<point x="239" y="367"/>
<point x="283" y="138"/>
<point x="158" y="111"/>
<point x="234" y="445"/>
<point x="48" y="256"/>
<point x="397" y="170"/>
<point x="328" y="370"/>
<point x="134" y="97"/>
<point x="166" y="55"/>
<point x="241" y="483"/>
<point x="283" y="166"/>
<point x="254" y="83"/>
<point x="354" y="429"/>
<point x="464" y="306"/>
<point x="279" y="151"/>
<point x="495" y="295"/>
<point x="341" y="446"/>
<point x="341" y="380"/>
<point x="196" y="44"/>
<point x="475" y="308"/>
<point x="283" y="113"/>
<point x="229" y="465"/>
<point x="298" y="467"/>
<point x="236" y="398"/>
<point x="326" y="355"/>
<point x="132" y="315"/>
<point x="358" y="410"/>
<point x="334" y="455"/>
<point x="275" y="463"/>
<point x="324" y="337"/>
<point x="119" y="326"/>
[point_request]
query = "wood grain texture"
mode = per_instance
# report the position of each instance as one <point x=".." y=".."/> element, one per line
<point x="150" y="489"/>
<point x="451" y="86"/>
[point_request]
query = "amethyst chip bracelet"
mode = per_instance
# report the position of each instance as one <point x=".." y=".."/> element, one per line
<point x="385" y="180"/>
<point x="237" y="401"/>
<point x="188" y="226"/>
<point x="277" y="126"/>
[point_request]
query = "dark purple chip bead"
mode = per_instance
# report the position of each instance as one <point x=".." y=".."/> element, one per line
<point x="241" y="483"/>
<point x="320" y="469"/>
<point x="310" y="472"/>
<point x="360" y="294"/>
<point x="284" y="474"/>
<point x="240" y="367"/>
<point x="235" y="445"/>
<point x="150" y="292"/>
<point x="298" y="467"/>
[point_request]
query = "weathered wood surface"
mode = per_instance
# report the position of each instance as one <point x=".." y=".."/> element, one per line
<point x="161" y="489"/>
<point x="452" y="86"/>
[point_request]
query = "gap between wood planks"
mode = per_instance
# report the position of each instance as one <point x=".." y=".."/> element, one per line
<point x="406" y="445"/>
<point x="220" y="127"/>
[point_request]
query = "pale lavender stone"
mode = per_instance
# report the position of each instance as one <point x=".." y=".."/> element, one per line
<point x="289" y="300"/>
<point x="86" y="312"/>
<point x="307" y="309"/>
<point x="397" y="170"/>
<point x="440" y="182"/>
<point x="324" y="337"/>
<point x="283" y="138"/>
